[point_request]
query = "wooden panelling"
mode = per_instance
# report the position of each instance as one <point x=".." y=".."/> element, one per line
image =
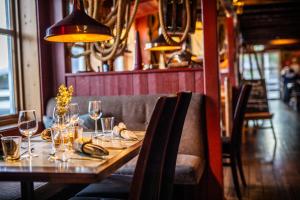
<point x="83" y="86"/>
<point x="29" y="55"/>
<point x="72" y="81"/>
<point x="125" y="85"/>
<point x="199" y="85"/>
<point x="136" y="82"/>
<point x="187" y="81"/>
<point x="140" y="84"/>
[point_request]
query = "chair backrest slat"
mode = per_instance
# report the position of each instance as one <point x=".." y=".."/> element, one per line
<point x="181" y="109"/>
<point x="239" y="114"/>
<point x="147" y="176"/>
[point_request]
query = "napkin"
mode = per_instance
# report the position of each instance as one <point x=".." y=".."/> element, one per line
<point x="46" y="134"/>
<point x="85" y="146"/>
<point x="121" y="131"/>
<point x="1" y="150"/>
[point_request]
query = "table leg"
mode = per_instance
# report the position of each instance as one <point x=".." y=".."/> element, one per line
<point x="27" y="190"/>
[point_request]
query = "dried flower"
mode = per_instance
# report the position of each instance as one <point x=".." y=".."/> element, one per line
<point x="63" y="99"/>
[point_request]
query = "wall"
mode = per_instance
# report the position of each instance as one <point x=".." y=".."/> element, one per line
<point x="30" y="62"/>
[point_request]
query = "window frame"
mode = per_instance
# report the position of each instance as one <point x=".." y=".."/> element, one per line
<point x="14" y="32"/>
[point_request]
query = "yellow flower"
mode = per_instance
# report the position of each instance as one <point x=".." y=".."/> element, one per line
<point x="63" y="99"/>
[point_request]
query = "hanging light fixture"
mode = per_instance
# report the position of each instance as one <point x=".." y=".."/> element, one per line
<point x="78" y="27"/>
<point x="160" y="44"/>
<point x="165" y="41"/>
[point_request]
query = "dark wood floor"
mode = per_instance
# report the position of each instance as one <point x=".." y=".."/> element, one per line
<point x="268" y="180"/>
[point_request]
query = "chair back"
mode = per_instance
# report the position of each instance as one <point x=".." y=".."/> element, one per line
<point x="147" y="176"/>
<point x="181" y="109"/>
<point x="238" y="118"/>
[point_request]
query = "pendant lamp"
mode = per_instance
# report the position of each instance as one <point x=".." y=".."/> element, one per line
<point x="160" y="44"/>
<point x="78" y="27"/>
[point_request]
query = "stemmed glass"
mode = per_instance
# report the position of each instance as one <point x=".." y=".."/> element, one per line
<point x="95" y="112"/>
<point x="61" y="120"/>
<point x="28" y="125"/>
<point x="74" y="113"/>
<point x="61" y="123"/>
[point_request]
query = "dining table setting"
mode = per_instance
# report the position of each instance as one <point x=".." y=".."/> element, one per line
<point x="66" y="152"/>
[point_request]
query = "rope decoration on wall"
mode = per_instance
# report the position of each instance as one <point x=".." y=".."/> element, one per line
<point x="119" y="19"/>
<point x="167" y="37"/>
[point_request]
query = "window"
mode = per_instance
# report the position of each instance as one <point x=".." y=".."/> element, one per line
<point x="8" y="61"/>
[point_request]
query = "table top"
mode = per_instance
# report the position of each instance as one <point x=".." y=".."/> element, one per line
<point x="78" y="169"/>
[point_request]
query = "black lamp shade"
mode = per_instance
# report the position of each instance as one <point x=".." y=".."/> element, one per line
<point x="78" y="27"/>
<point x="160" y="44"/>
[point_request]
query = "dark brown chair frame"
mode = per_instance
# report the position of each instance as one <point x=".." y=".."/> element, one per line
<point x="181" y="109"/>
<point x="146" y="181"/>
<point x="234" y="150"/>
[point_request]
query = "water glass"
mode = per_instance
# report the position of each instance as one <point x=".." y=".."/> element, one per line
<point x="107" y="124"/>
<point x="95" y="112"/>
<point x="74" y="113"/>
<point x="28" y="125"/>
<point x="11" y="147"/>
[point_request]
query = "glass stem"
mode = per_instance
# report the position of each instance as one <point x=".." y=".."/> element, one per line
<point x="29" y="145"/>
<point x="96" y="126"/>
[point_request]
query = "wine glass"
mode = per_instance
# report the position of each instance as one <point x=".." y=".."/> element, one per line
<point x="95" y="112"/>
<point x="61" y="122"/>
<point x="28" y="125"/>
<point x="61" y="119"/>
<point x="74" y="113"/>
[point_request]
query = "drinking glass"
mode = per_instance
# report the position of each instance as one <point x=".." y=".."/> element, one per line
<point x="107" y="124"/>
<point x="11" y="147"/>
<point x="28" y="125"/>
<point x="74" y="113"/>
<point x="95" y="112"/>
<point x="61" y="120"/>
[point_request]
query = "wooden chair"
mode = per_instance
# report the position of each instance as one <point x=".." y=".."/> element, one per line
<point x="232" y="145"/>
<point x="183" y="103"/>
<point x="146" y="181"/>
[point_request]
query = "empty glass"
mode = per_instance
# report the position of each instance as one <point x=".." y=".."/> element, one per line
<point x="74" y="113"/>
<point x="95" y="112"/>
<point x="107" y="124"/>
<point x="28" y="125"/>
<point x="11" y="147"/>
<point x="61" y="119"/>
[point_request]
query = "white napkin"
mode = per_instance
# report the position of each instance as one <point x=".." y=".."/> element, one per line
<point x="121" y="131"/>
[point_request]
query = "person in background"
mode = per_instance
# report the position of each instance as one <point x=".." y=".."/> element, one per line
<point x="295" y="66"/>
<point x="288" y="76"/>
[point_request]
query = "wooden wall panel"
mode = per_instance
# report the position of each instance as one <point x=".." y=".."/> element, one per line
<point x="186" y="81"/>
<point x="82" y="86"/>
<point x="96" y="86"/>
<point x="170" y="82"/>
<point x="140" y="84"/>
<point x="136" y="82"/>
<point x="110" y="85"/>
<point x="153" y="83"/>
<point x="199" y="84"/>
<point x="72" y="81"/>
<point x="125" y="85"/>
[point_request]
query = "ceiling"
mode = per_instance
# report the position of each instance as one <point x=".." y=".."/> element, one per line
<point x="266" y="20"/>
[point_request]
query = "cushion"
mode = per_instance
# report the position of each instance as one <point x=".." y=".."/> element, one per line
<point x="189" y="169"/>
<point x="135" y="112"/>
<point x="114" y="186"/>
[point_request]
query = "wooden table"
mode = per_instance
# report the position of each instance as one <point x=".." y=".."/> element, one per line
<point x="79" y="169"/>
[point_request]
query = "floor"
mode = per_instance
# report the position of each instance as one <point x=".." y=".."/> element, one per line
<point x="269" y="178"/>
